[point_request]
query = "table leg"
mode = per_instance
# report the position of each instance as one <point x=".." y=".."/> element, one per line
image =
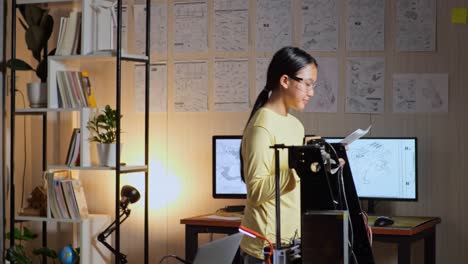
<point x="404" y="252"/>
<point x="430" y="247"/>
<point x="191" y="243"/>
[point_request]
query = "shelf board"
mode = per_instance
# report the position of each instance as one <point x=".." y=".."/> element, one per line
<point x="46" y="219"/>
<point x="50" y="219"/>
<point x="123" y="169"/>
<point x="37" y="111"/>
<point x="101" y="56"/>
<point x="22" y="2"/>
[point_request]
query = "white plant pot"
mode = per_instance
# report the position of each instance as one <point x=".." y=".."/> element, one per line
<point x="106" y="154"/>
<point x="37" y="94"/>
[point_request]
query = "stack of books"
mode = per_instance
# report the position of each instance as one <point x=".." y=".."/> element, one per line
<point x="73" y="89"/>
<point x="65" y="196"/>
<point x="68" y="42"/>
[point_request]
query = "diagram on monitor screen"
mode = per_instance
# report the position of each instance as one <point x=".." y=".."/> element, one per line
<point x="383" y="169"/>
<point x="228" y="178"/>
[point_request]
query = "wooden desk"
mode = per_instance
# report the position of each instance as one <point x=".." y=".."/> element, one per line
<point x="404" y="231"/>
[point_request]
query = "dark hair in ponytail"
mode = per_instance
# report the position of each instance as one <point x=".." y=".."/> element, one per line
<point x="286" y="61"/>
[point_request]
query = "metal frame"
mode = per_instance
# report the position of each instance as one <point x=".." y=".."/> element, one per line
<point x="3" y="30"/>
<point x="119" y="59"/>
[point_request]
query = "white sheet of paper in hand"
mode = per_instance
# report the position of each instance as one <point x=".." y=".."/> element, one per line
<point x="355" y="135"/>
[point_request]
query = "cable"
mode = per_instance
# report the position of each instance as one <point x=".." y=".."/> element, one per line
<point x="253" y="234"/>
<point x="176" y="257"/>
<point x="354" y="256"/>
<point x="24" y="149"/>
<point x="368" y="228"/>
<point x="23" y="175"/>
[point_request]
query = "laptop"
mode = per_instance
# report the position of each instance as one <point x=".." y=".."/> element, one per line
<point x="219" y="251"/>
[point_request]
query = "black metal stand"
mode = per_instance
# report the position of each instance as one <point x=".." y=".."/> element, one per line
<point x="120" y="257"/>
<point x="321" y="191"/>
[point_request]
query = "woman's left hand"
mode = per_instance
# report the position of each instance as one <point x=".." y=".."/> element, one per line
<point x="342" y="162"/>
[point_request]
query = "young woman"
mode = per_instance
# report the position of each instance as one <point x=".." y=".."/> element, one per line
<point x="291" y="78"/>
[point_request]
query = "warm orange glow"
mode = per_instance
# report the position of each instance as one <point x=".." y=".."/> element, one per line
<point x="164" y="187"/>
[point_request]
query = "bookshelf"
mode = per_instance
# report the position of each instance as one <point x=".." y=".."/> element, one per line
<point x="86" y="229"/>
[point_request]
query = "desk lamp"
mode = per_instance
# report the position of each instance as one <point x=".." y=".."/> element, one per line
<point x="128" y="194"/>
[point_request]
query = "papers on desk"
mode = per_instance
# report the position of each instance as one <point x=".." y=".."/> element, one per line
<point x="355" y="135"/>
<point x="220" y="217"/>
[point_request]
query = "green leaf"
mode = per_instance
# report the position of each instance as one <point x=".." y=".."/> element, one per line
<point x="28" y="234"/>
<point x="41" y="71"/>
<point x="35" y="36"/>
<point x="20" y="65"/>
<point x="45" y="251"/>
<point x="33" y="14"/>
<point x="23" y="24"/>
<point x="17" y="254"/>
<point x="47" y="24"/>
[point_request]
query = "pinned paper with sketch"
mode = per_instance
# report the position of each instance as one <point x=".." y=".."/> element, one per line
<point x="355" y="135"/>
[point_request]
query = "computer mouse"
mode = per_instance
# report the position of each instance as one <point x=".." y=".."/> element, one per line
<point x="383" y="221"/>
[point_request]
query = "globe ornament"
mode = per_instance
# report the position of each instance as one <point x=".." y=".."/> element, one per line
<point x="68" y="255"/>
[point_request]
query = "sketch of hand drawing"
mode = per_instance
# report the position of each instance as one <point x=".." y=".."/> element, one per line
<point x="191" y="87"/>
<point x="420" y="92"/>
<point x="274" y="24"/>
<point x="326" y="90"/>
<point x="231" y="85"/>
<point x="365" y="25"/>
<point x="158" y="87"/>
<point x="416" y="25"/>
<point x="190" y="27"/>
<point x="365" y="85"/>
<point x="231" y="25"/>
<point x="158" y="32"/>
<point x="433" y="93"/>
<point x="319" y="24"/>
<point x="404" y="92"/>
<point x="261" y="67"/>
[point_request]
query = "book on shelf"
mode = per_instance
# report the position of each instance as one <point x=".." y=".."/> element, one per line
<point x="80" y="198"/>
<point x="65" y="196"/>
<point x="63" y="25"/>
<point x="73" y="153"/>
<point x="72" y="89"/>
<point x="52" y="201"/>
<point x="75" y="198"/>
<point x="69" y="34"/>
<point x="90" y="99"/>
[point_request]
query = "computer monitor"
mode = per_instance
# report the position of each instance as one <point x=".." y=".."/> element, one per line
<point x="227" y="182"/>
<point x="383" y="168"/>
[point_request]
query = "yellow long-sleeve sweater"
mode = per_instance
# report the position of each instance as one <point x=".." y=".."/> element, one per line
<point x="266" y="129"/>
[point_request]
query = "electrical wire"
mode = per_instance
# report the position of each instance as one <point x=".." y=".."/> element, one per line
<point x="368" y="228"/>
<point x="23" y="175"/>
<point x="343" y="190"/>
<point x="351" y="242"/>
<point x="174" y="256"/>
<point x="254" y="234"/>
<point x="24" y="151"/>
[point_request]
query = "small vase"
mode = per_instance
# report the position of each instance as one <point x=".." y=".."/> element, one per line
<point x="106" y="154"/>
<point x="37" y="95"/>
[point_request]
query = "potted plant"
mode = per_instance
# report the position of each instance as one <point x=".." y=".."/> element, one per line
<point x="18" y="253"/>
<point x="103" y="127"/>
<point x="38" y="25"/>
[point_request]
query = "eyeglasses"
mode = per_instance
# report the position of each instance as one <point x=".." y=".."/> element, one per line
<point x="308" y="83"/>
